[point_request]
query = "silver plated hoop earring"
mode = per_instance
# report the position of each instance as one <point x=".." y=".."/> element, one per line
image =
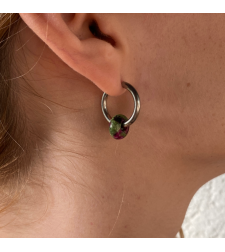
<point x="119" y="124"/>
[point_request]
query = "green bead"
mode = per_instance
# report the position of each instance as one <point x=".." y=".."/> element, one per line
<point x="116" y="128"/>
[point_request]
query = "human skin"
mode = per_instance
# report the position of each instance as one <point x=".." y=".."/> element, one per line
<point x="92" y="185"/>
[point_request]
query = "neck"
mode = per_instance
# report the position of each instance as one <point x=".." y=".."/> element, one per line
<point x="88" y="185"/>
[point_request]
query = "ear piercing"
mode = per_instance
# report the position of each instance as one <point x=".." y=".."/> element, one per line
<point x="119" y="125"/>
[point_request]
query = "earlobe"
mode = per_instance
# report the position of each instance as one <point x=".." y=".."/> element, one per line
<point x="76" y="43"/>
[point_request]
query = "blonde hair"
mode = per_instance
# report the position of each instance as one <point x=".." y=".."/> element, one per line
<point x="14" y="155"/>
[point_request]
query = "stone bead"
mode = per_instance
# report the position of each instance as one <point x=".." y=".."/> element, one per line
<point x="116" y="128"/>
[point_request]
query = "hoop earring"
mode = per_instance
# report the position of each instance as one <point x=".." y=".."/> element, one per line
<point x="119" y="124"/>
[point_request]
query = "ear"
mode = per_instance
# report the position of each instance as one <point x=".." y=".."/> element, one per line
<point x="78" y="40"/>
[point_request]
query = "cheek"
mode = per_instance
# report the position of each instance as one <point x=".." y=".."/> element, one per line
<point x="186" y="119"/>
<point x="181" y="75"/>
<point x="184" y="115"/>
<point x="190" y="124"/>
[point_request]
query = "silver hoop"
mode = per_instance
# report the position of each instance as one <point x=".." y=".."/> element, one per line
<point x="137" y="105"/>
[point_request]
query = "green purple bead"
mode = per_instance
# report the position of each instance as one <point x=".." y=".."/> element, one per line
<point x="116" y="128"/>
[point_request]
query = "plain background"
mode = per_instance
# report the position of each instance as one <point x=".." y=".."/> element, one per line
<point x="205" y="217"/>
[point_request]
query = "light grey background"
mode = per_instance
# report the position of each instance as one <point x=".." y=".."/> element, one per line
<point x="205" y="216"/>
